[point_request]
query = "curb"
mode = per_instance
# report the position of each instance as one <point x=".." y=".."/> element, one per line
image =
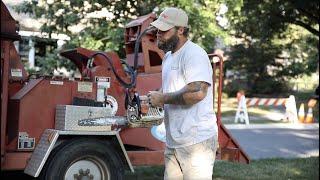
<point x="298" y="126"/>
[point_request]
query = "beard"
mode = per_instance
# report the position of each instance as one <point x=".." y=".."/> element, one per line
<point x="168" y="45"/>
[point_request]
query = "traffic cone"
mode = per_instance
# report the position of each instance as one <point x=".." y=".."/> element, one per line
<point x="301" y="113"/>
<point x="309" y="118"/>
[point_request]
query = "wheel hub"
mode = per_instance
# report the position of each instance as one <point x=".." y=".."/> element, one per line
<point x="87" y="169"/>
<point x="83" y="175"/>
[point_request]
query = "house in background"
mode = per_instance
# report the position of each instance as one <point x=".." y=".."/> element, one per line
<point x="33" y="43"/>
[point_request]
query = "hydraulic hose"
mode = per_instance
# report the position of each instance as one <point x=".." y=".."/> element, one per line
<point x="132" y="71"/>
<point x="122" y="82"/>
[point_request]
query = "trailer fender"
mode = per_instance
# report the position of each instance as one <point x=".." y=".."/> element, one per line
<point x="50" y="138"/>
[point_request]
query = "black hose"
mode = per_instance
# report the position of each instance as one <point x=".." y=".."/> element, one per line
<point x="122" y="82"/>
<point x="132" y="71"/>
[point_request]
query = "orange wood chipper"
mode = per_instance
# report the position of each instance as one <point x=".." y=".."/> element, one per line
<point x="96" y="126"/>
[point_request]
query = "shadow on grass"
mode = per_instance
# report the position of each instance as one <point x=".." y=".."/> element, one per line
<point x="275" y="168"/>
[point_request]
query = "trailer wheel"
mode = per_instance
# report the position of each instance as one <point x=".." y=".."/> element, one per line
<point x="84" y="159"/>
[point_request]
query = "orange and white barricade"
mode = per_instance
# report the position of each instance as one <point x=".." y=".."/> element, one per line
<point x="289" y="103"/>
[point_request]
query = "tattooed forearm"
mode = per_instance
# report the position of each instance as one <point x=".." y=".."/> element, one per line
<point x="174" y="98"/>
<point x="190" y="94"/>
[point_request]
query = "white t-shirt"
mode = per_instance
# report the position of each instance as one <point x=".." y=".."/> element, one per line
<point x="188" y="124"/>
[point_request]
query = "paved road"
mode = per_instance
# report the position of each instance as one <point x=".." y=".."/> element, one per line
<point x="276" y="140"/>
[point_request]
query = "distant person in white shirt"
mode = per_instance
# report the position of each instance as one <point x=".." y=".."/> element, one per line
<point x="187" y="98"/>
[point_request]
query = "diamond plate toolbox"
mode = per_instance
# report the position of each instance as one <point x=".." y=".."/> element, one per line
<point x="67" y="117"/>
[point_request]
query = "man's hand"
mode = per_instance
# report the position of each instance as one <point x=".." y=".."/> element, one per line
<point x="156" y="98"/>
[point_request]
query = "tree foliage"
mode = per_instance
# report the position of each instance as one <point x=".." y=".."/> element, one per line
<point x="103" y="21"/>
<point x="275" y="39"/>
<point x="99" y="24"/>
<point x="278" y="40"/>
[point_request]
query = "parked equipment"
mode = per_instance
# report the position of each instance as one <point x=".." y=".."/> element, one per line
<point x="96" y="126"/>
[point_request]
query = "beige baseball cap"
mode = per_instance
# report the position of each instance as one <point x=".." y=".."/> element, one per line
<point x="170" y="18"/>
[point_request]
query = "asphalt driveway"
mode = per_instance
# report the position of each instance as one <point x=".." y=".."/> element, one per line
<point x="277" y="140"/>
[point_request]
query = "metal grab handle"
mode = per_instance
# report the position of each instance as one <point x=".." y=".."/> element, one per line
<point x="144" y="98"/>
<point x="218" y="63"/>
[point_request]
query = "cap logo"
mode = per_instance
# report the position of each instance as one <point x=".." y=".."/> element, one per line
<point x="164" y="16"/>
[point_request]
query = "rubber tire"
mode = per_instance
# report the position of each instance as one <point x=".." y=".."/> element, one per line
<point x="76" y="149"/>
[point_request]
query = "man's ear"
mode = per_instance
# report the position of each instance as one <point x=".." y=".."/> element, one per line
<point x="180" y="30"/>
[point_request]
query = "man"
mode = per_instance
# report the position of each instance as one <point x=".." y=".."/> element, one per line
<point x="186" y="94"/>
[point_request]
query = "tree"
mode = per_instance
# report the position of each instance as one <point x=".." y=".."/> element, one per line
<point x="279" y="40"/>
<point x="98" y="24"/>
<point x="276" y="39"/>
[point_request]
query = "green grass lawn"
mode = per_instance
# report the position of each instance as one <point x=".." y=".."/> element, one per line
<point x="276" y="168"/>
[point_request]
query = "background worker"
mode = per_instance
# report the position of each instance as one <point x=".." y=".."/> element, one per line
<point x="187" y="98"/>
